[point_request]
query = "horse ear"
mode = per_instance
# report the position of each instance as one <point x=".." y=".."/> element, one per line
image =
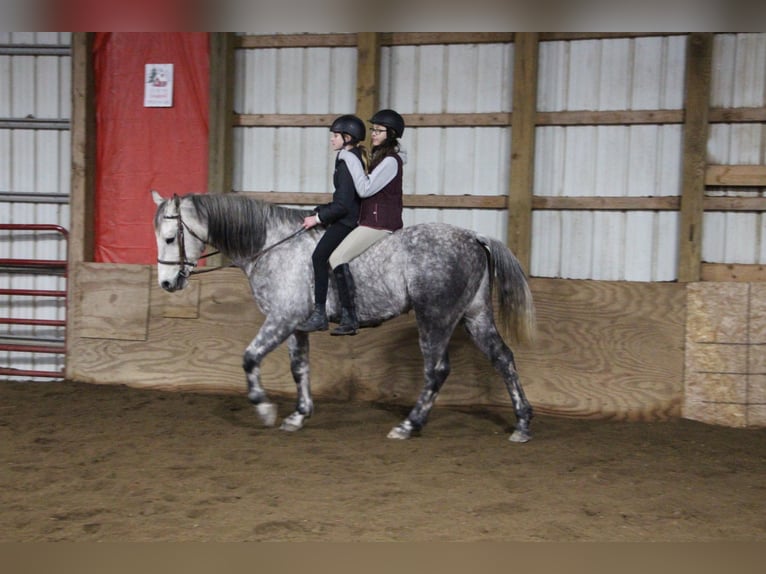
<point x="157" y="197"/>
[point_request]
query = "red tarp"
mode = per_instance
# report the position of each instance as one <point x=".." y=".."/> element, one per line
<point x="138" y="148"/>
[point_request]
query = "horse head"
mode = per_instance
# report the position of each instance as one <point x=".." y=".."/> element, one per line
<point x="179" y="233"/>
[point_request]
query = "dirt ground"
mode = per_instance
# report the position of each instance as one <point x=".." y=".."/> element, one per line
<point x="107" y="463"/>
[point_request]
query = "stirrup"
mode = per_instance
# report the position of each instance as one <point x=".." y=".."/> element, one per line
<point x="317" y="321"/>
<point x="348" y="323"/>
<point x="342" y="329"/>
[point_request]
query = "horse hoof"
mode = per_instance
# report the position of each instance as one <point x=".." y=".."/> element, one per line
<point x="519" y="436"/>
<point x="399" y="433"/>
<point x="268" y="413"/>
<point x="292" y="423"/>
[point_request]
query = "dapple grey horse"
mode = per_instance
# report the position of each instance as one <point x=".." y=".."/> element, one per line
<point x="444" y="273"/>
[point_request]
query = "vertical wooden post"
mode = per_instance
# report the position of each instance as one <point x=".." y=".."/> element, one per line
<point x="523" y="145"/>
<point x="367" y="74"/>
<point x="83" y="161"/>
<point x="699" y="50"/>
<point x="220" y="118"/>
<point x="221" y="110"/>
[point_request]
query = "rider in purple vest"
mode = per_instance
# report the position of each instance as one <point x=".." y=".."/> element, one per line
<point x="380" y="211"/>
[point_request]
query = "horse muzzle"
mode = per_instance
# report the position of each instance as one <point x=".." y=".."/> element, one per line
<point x="176" y="283"/>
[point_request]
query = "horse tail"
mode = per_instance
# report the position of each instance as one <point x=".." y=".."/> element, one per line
<point x="517" y="310"/>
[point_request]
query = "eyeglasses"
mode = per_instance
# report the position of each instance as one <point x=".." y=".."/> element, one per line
<point x="377" y="131"/>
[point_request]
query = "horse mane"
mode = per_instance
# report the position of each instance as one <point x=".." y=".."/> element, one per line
<point x="236" y="224"/>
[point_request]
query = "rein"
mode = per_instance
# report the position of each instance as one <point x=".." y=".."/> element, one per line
<point x="185" y="264"/>
<point x="255" y="259"/>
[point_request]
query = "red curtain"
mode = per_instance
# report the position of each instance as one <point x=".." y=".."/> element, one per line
<point x="139" y="148"/>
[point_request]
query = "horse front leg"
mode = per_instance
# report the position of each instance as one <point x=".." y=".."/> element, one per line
<point x="298" y="348"/>
<point x="269" y="337"/>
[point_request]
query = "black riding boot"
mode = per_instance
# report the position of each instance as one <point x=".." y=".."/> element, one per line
<point x="348" y="320"/>
<point x="317" y="321"/>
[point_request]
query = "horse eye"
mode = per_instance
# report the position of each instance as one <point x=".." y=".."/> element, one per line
<point x="169" y="240"/>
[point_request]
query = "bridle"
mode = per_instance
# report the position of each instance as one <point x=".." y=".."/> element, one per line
<point x="187" y="267"/>
<point x="183" y="262"/>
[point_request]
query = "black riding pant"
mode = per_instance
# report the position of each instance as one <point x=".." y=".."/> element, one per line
<point x="330" y="240"/>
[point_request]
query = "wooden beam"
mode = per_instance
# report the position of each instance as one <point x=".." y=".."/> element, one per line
<point x="290" y="197"/>
<point x="737" y="115"/>
<point x="724" y="272"/>
<point x="523" y="146"/>
<point x="296" y="41"/>
<point x="83" y="156"/>
<point x="457" y="201"/>
<point x="221" y="106"/>
<point x="367" y="74"/>
<point x="609" y="118"/>
<point x="565" y="36"/>
<point x="425" y="38"/>
<point x="410" y="200"/>
<point x="503" y="119"/>
<point x="753" y="204"/>
<point x="736" y="175"/>
<point x="220" y="112"/>
<point x="590" y="203"/>
<point x="539" y="202"/>
<point x="634" y="117"/>
<point x="499" y="119"/>
<point x="284" y="120"/>
<point x="83" y="136"/>
<point x="698" y="72"/>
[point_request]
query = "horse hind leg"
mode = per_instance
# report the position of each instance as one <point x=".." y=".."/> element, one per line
<point x="436" y="368"/>
<point x="485" y="336"/>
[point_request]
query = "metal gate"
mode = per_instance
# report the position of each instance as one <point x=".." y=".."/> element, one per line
<point x="20" y="339"/>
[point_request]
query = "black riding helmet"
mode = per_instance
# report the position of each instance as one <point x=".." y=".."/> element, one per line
<point x="390" y="119"/>
<point x="351" y="125"/>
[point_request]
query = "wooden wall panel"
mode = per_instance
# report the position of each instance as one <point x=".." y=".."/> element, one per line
<point x="194" y="339"/>
<point x="605" y="350"/>
<point x="111" y="302"/>
<point x="725" y="339"/>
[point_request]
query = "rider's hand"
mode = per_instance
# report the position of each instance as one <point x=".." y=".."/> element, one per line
<point x="309" y="221"/>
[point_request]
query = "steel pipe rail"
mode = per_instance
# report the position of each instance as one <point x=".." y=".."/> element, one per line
<point x="12" y="342"/>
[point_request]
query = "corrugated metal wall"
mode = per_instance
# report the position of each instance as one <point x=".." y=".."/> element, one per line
<point x="290" y="81"/>
<point x="35" y="101"/>
<point x="640" y="160"/>
<point x="739" y="80"/>
<point x="425" y="79"/>
<point x="615" y="160"/>
<point x="461" y="78"/>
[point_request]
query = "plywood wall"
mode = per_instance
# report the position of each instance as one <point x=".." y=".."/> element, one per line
<point x="725" y="362"/>
<point x="604" y="350"/>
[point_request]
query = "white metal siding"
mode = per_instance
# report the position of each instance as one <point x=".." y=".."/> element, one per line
<point x="290" y="81"/>
<point x="425" y="79"/>
<point x="738" y="80"/>
<point x="462" y="78"/>
<point x="621" y="161"/>
<point x="34" y="161"/>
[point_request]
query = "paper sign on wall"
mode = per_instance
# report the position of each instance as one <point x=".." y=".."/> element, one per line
<point x="158" y="86"/>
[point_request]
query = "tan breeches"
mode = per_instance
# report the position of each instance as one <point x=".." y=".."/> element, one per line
<point x="356" y="243"/>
